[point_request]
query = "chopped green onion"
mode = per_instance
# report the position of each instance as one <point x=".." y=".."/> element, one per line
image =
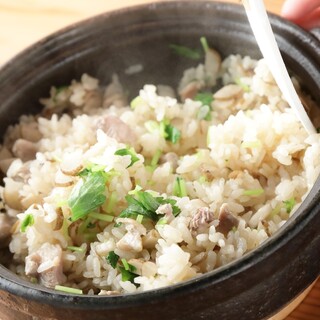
<point x="135" y="102"/>
<point x="111" y="203"/>
<point x="186" y="52"/>
<point x="128" y="152"/>
<point x="68" y="289"/>
<point x="244" y="86"/>
<point x="253" y="192"/>
<point x="289" y="204"/>
<point x="139" y="218"/>
<point x="125" y="264"/>
<point x="251" y="144"/>
<point x="204" y="44"/>
<point x="150" y="168"/>
<point x="78" y="249"/>
<point x="87" y="195"/>
<point x="276" y="210"/>
<point x="28" y="221"/>
<point x="155" y="158"/>
<point x="179" y="188"/>
<point x="152" y="126"/>
<point x="112" y="259"/>
<point x="100" y="216"/>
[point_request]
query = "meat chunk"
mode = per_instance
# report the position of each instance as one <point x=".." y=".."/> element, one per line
<point x="5" y="229"/>
<point x="202" y="218"/>
<point x="46" y="264"/>
<point x="24" y="150"/>
<point x="115" y="128"/>
<point x="132" y="240"/>
<point x="227" y="221"/>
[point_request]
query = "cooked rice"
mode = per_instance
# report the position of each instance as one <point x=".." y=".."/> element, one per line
<point x="253" y="155"/>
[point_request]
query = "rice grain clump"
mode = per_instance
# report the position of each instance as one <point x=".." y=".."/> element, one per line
<point x="106" y="199"/>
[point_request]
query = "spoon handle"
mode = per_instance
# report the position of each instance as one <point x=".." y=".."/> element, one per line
<point x="260" y="25"/>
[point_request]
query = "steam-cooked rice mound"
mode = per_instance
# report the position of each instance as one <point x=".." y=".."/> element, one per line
<point x="111" y="198"/>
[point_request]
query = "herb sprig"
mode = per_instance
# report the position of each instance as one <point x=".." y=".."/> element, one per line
<point x="146" y="205"/>
<point x="88" y="194"/>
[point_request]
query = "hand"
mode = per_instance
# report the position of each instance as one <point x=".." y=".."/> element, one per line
<point x="305" y="13"/>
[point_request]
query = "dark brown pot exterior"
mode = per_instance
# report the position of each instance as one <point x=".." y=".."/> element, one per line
<point x="253" y="288"/>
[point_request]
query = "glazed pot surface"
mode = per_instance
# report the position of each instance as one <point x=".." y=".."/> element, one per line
<point x="257" y="285"/>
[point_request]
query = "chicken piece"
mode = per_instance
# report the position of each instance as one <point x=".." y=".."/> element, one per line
<point x="46" y="264"/>
<point x="202" y="218"/>
<point x="115" y="128"/>
<point x="170" y="157"/>
<point x="227" y="221"/>
<point x="5" y="229"/>
<point x="132" y="240"/>
<point x="24" y="150"/>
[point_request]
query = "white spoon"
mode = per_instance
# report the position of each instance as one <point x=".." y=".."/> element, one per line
<point x="262" y="31"/>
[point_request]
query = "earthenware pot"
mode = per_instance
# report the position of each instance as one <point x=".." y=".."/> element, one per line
<point x="254" y="287"/>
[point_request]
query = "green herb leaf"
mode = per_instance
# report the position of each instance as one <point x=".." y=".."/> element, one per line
<point x="128" y="152"/>
<point x="112" y="259"/>
<point x="183" y="51"/>
<point x="146" y="205"/>
<point x="179" y="188"/>
<point x="289" y="204"/>
<point x="127" y="275"/>
<point x="205" y="98"/>
<point x="87" y="195"/>
<point x="26" y="222"/>
<point x="172" y="133"/>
